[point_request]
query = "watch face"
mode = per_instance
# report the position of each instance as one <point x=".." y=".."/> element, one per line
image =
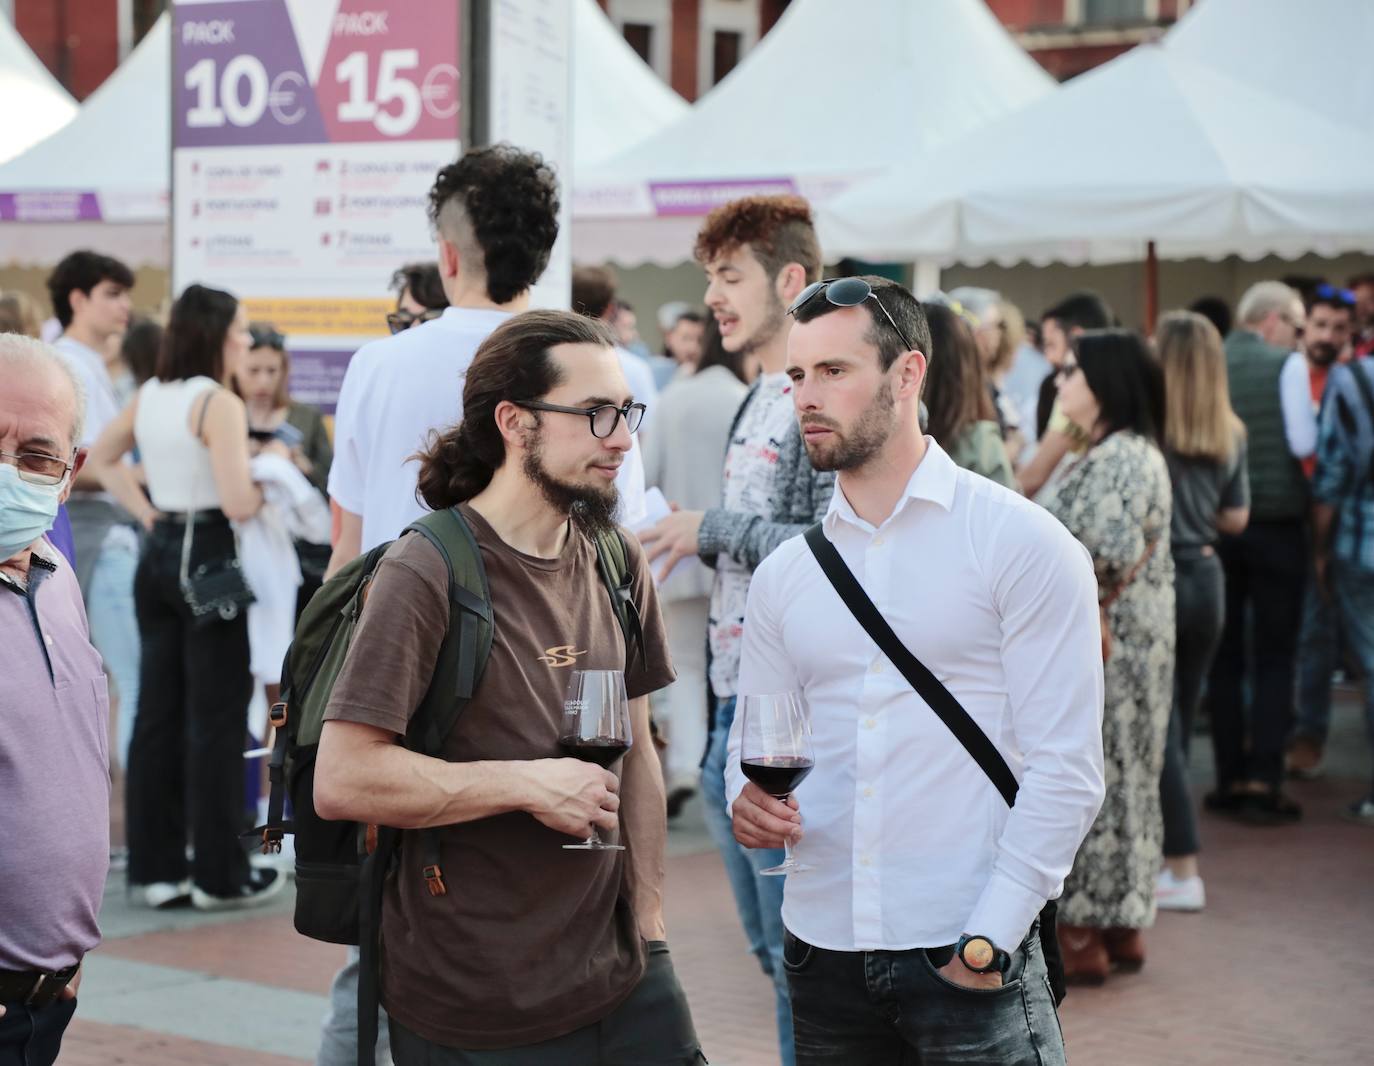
<point x="978" y="953"/>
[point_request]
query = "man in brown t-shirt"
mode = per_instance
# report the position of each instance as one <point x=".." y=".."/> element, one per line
<point x="535" y="954"/>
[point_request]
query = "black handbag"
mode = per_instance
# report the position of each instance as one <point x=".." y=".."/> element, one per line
<point x="216" y="590"/>
<point x="950" y="711"/>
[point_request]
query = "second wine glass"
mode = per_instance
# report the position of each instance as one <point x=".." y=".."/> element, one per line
<point x="596" y="728"/>
<point x="775" y="753"/>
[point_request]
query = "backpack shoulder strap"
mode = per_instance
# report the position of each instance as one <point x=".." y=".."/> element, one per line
<point x="467" y="642"/>
<point x="613" y="560"/>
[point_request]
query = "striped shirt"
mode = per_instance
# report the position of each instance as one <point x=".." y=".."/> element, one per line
<point x="1345" y="463"/>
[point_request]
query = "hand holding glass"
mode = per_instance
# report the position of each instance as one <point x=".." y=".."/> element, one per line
<point x="775" y="753"/>
<point x="596" y="728"/>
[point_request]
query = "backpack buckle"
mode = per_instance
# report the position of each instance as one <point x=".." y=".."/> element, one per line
<point x="434" y="879"/>
<point x="271" y="841"/>
<point x="277" y="715"/>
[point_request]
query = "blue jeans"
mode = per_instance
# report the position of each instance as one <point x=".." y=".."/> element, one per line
<point x="114" y="627"/>
<point x="1318" y="654"/>
<point x="758" y="899"/>
<point x="1354" y="595"/>
<point x="879" y="1008"/>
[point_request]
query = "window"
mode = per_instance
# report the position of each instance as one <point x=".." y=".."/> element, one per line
<point x="725" y="50"/>
<point x="1113" y="12"/>
<point x="640" y="37"/>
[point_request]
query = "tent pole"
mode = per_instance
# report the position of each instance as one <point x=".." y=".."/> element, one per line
<point x="1151" y="288"/>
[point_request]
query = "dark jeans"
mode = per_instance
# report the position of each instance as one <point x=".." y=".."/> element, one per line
<point x="891" y="1008"/>
<point x="1199" y="613"/>
<point x="186" y="757"/>
<point x="32" y="1036"/>
<point x="1266" y="572"/>
<point x="653" y="1027"/>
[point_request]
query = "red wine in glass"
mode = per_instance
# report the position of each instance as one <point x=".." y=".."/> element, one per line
<point x="775" y="752"/>
<point x="777" y="775"/>
<point x="596" y="728"/>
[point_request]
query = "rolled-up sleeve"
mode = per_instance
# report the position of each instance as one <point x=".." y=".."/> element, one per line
<point x="1046" y="594"/>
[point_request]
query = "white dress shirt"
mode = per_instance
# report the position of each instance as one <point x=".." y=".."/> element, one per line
<point x="909" y="842"/>
<point x="1299" y="412"/>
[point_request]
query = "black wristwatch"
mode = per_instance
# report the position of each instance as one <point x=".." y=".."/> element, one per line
<point x="981" y="955"/>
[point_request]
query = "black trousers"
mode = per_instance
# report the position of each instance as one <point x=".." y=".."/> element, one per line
<point x="1266" y="573"/>
<point x="32" y="1036"/>
<point x="186" y="757"/>
<point x="1199" y="614"/>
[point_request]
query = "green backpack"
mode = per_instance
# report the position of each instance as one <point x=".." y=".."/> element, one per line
<point x="332" y="903"/>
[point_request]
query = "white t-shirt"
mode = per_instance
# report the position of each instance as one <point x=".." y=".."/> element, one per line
<point x="395" y="391"/>
<point x="102" y="404"/>
<point x="750" y="481"/>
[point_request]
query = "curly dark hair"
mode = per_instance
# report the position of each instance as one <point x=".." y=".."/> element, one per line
<point x="510" y="199"/>
<point x="778" y="229"/>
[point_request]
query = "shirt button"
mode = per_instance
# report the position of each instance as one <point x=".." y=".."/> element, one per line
<point x="868" y="793"/>
<point x="878" y="541"/>
<point x="877" y="667"/>
<point x="870" y="723"/>
<point x="864" y="861"/>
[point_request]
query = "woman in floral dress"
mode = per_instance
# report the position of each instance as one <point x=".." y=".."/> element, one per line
<point x="1117" y="501"/>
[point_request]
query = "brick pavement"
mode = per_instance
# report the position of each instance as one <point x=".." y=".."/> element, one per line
<point x="1278" y="969"/>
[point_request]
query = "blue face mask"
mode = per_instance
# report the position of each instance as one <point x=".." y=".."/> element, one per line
<point x="26" y="511"/>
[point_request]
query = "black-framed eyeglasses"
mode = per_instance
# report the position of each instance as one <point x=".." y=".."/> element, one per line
<point x="602" y="418"/>
<point x="38" y="468"/>
<point x="400" y="321"/>
<point x="847" y="292"/>
<point x="1327" y="291"/>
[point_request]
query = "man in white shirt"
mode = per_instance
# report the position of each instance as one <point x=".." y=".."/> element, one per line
<point x="913" y="935"/>
<point x="495" y="211"/>
<point x="496" y="215"/>
<point x="90" y="297"/>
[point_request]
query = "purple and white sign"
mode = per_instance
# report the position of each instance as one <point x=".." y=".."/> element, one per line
<point x="306" y="136"/>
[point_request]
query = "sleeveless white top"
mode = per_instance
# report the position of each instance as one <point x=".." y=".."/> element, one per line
<point x="175" y="461"/>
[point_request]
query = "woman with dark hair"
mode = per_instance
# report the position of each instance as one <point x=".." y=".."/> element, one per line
<point x="260" y="379"/>
<point x="961" y="417"/>
<point x="1118" y="502"/>
<point x="185" y="772"/>
<point x="683" y="458"/>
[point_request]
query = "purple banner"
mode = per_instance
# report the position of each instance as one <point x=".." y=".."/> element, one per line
<point x="49" y="206"/>
<point x="317" y="376"/>
<point x="702" y="197"/>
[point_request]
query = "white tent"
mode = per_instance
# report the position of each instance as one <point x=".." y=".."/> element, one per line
<point x="1153" y="146"/>
<point x="108" y="165"/>
<point x="835" y="92"/>
<point x="35" y="103"/>
<point x="617" y="99"/>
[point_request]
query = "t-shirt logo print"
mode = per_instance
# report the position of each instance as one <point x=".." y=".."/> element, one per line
<point x="562" y="655"/>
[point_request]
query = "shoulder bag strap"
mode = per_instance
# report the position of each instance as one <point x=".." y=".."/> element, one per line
<point x="613" y="561"/>
<point x="927" y="685"/>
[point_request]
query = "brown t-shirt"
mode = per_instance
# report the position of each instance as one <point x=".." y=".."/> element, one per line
<point x="531" y="941"/>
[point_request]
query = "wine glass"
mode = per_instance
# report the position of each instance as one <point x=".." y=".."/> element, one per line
<point x="596" y="728"/>
<point x="775" y="753"/>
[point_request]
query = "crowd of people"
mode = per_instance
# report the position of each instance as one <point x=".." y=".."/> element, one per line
<point x="1093" y="540"/>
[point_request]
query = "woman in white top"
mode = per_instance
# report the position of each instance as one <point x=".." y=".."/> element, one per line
<point x="185" y="772"/>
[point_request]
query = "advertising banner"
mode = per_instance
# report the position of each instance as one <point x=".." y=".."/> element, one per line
<point x="306" y="135"/>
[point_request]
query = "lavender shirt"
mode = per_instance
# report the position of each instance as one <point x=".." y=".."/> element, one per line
<point x="54" y="771"/>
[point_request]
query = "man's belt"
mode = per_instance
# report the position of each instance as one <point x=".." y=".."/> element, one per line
<point x="34" y="988"/>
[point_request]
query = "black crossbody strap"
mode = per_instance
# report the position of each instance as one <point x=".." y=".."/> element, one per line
<point x="927" y="685"/>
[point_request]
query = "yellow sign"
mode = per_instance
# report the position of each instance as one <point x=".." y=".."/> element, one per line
<point x="322" y="317"/>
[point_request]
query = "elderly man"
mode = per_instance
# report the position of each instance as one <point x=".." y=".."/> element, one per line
<point x="54" y="757"/>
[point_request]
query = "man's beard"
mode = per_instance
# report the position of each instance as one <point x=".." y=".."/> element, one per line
<point x="1322" y="353"/>
<point x="854" y="448"/>
<point x="769" y="328"/>
<point x="592" y="509"/>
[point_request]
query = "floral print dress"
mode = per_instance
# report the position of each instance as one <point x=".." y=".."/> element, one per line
<point x="1117" y="500"/>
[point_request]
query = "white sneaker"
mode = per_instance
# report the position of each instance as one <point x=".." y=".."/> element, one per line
<point x="260" y="887"/>
<point x="160" y="894"/>
<point x="1173" y="894"/>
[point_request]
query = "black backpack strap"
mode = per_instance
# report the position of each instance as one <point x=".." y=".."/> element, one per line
<point x="927" y="685"/>
<point x="462" y="656"/>
<point x="613" y="560"/>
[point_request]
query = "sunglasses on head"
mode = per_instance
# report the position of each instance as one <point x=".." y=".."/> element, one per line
<point x="1325" y="291"/>
<point x="847" y="292"/>
<point x="267" y="338"/>
<point x="400" y="321"/>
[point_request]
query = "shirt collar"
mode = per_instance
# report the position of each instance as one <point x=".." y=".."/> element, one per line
<point x="933" y="480"/>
